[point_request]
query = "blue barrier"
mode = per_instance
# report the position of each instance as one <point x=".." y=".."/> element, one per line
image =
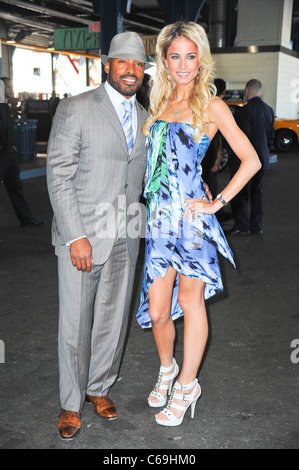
<point x="26" y="138"/>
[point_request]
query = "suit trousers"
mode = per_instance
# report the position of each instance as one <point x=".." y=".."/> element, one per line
<point x="93" y="317"/>
<point x="252" y="192"/>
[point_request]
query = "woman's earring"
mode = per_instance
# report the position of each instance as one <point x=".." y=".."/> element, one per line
<point x="168" y="76"/>
<point x="198" y="73"/>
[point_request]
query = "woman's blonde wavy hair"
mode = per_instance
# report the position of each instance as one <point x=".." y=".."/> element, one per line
<point x="164" y="86"/>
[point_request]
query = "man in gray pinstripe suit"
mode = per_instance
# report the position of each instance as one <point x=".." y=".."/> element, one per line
<point x="93" y="180"/>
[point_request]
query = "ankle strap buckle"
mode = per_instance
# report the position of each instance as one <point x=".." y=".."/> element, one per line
<point x="186" y="397"/>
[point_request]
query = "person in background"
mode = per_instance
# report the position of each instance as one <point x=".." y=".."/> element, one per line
<point x="256" y="119"/>
<point x="143" y="93"/>
<point x="9" y="166"/>
<point x="24" y="104"/>
<point x="183" y="235"/>
<point x="54" y="102"/>
<point x="212" y="161"/>
<point x="2" y="92"/>
<point x="96" y="166"/>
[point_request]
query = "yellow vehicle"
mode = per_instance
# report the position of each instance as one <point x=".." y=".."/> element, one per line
<point x="286" y="130"/>
<point x="286" y="134"/>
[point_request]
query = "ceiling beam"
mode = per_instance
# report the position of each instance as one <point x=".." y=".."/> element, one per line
<point x="46" y="11"/>
<point x="141" y="25"/>
<point x="21" y="20"/>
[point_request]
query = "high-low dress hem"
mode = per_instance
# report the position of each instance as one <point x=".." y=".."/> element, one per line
<point x="189" y="246"/>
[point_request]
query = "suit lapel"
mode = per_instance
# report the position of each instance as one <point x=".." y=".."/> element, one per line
<point x="139" y="135"/>
<point x="106" y="109"/>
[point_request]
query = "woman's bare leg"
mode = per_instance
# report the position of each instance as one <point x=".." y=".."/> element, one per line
<point x="160" y="295"/>
<point x="191" y="299"/>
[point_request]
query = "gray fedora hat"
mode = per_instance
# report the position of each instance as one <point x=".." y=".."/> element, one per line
<point x="127" y="45"/>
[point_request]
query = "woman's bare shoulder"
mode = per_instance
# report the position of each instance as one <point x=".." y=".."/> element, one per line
<point x="216" y="105"/>
<point x="218" y="110"/>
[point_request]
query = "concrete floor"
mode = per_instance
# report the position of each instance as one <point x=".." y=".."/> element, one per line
<point x="249" y="379"/>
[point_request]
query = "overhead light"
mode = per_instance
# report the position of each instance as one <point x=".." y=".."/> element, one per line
<point x="10" y="41"/>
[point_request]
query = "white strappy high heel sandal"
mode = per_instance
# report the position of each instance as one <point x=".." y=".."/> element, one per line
<point x="161" y="399"/>
<point x="192" y="398"/>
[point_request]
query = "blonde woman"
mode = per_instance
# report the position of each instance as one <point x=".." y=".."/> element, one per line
<point x="183" y="234"/>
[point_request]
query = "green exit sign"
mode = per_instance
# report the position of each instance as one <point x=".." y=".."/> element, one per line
<point x="72" y="39"/>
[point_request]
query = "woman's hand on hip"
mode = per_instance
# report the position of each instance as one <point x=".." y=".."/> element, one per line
<point x="195" y="206"/>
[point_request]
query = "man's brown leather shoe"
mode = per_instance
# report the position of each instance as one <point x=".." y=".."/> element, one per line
<point x="69" y="424"/>
<point x="103" y="406"/>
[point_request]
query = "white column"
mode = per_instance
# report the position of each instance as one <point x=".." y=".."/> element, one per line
<point x="264" y="23"/>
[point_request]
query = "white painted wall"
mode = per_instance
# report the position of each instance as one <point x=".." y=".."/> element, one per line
<point x="288" y="86"/>
<point x="24" y="62"/>
<point x="278" y="72"/>
<point x="237" y="68"/>
<point x="264" y="23"/>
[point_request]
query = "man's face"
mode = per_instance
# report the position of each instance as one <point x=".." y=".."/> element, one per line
<point x="125" y="75"/>
<point x="8" y="90"/>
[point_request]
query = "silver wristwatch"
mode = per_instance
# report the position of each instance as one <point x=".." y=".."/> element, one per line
<point x="219" y="196"/>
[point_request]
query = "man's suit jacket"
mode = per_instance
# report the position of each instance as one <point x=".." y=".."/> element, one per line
<point x="91" y="175"/>
<point x="256" y="119"/>
<point x="3" y="127"/>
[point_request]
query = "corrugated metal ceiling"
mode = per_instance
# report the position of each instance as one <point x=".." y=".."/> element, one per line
<point x="26" y="20"/>
<point x="33" y="21"/>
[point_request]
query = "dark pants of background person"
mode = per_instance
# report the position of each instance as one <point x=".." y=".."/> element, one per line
<point x="253" y="193"/>
<point x="10" y="175"/>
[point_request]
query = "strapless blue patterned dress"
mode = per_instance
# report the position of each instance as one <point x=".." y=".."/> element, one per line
<point x="189" y="246"/>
